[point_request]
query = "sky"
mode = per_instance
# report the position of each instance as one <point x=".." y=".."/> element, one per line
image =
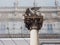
<point x="28" y="3"/>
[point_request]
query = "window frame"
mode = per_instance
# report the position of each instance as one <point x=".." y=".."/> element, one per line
<point x="50" y="43"/>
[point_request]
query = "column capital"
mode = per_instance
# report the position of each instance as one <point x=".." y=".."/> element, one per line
<point x="33" y="22"/>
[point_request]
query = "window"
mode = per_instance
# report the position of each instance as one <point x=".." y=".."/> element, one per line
<point x="2" y="28"/>
<point x="51" y="43"/>
<point x="50" y="28"/>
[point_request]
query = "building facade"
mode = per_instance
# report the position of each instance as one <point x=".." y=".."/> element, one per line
<point x="12" y="25"/>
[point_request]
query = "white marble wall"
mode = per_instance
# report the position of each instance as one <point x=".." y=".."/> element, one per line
<point x="17" y="27"/>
